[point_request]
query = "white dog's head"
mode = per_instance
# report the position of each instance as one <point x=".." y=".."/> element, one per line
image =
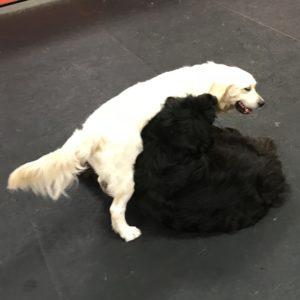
<point x="235" y="87"/>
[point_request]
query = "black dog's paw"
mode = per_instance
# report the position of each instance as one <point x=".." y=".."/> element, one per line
<point x="265" y="145"/>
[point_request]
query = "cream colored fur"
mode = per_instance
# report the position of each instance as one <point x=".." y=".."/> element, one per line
<point x="110" y="139"/>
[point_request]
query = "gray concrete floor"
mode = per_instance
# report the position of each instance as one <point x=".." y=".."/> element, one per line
<point x="59" y="63"/>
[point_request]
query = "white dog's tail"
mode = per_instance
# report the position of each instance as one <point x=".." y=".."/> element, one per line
<point x="53" y="173"/>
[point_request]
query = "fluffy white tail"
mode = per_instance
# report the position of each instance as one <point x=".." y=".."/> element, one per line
<point x="53" y="173"/>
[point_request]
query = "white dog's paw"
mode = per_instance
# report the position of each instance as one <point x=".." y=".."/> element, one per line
<point x="130" y="233"/>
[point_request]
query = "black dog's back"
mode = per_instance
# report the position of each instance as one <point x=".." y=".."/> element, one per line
<point x="193" y="176"/>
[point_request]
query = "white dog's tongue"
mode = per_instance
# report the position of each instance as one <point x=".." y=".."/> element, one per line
<point x="239" y="105"/>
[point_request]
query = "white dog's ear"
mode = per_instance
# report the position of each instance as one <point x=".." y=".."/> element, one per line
<point x="223" y="93"/>
<point x="218" y="90"/>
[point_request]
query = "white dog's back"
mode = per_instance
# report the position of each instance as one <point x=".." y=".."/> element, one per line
<point x="112" y="126"/>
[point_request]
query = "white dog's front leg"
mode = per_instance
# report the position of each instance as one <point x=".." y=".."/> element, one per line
<point x="118" y="220"/>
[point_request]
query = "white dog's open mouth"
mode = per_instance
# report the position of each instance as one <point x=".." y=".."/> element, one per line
<point x="239" y="105"/>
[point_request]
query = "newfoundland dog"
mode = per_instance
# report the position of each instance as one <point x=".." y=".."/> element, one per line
<point x="195" y="177"/>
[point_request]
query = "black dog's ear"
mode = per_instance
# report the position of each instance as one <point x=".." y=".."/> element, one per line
<point x="204" y="105"/>
<point x="210" y="103"/>
<point x="209" y="99"/>
<point x="163" y="127"/>
<point x="172" y="103"/>
<point x="170" y="99"/>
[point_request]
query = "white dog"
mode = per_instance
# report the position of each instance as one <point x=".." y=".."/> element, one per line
<point x="110" y="138"/>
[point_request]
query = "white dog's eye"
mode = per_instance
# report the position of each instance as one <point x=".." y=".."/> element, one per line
<point x="248" y="89"/>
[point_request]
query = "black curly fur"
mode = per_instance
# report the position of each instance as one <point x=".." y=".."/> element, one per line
<point x="193" y="176"/>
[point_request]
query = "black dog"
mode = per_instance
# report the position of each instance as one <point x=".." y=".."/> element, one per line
<point x="193" y="176"/>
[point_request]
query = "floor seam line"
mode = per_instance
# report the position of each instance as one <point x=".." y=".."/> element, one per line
<point x="156" y="72"/>
<point x="258" y="22"/>
<point x="130" y="51"/>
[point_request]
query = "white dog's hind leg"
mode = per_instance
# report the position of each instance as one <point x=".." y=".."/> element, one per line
<point x="121" y="187"/>
<point x="116" y="179"/>
<point x="118" y="220"/>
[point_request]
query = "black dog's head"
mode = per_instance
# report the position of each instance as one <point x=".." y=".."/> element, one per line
<point x="184" y="125"/>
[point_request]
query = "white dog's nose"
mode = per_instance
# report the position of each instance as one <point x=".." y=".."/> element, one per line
<point x="261" y="102"/>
